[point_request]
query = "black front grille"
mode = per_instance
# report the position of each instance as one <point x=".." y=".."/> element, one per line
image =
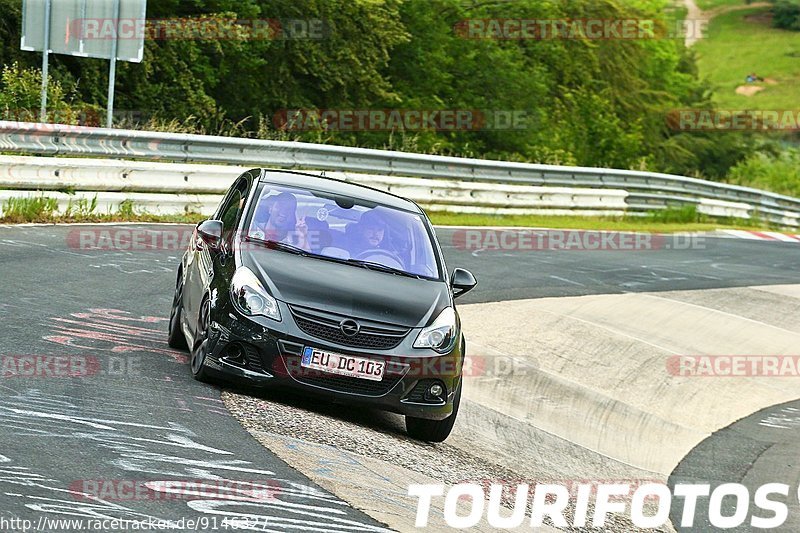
<point x="417" y="394"/>
<point x="253" y="358"/>
<point x="326" y="326"/>
<point x="347" y="384"/>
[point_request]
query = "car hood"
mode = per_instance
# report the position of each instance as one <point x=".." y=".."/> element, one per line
<point x="346" y="289"/>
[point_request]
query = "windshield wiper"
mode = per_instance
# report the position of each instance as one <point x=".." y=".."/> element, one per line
<point x="372" y="265"/>
<point x="277" y="245"/>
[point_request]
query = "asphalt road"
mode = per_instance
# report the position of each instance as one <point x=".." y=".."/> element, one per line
<point x="94" y="401"/>
<point x="759" y="449"/>
<point x="116" y="427"/>
<point x="667" y="264"/>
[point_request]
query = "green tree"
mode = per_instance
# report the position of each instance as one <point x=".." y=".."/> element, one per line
<point x="20" y="97"/>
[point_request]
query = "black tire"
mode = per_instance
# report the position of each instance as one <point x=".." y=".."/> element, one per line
<point x="176" y="338"/>
<point x="433" y="430"/>
<point x="198" y="358"/>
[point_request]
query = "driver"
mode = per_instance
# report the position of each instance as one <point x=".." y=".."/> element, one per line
<point x="370" y="231"/>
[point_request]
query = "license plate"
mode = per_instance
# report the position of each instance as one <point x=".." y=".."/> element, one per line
<point x="343" y="365"/>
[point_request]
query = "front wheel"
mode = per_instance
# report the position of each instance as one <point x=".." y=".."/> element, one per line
<point x="176" y="338"/>
<point x="200" y="351"/>
<point x="433" y="430"/>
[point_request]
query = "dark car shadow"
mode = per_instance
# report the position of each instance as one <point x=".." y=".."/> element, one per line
<point x="363" y="416"/>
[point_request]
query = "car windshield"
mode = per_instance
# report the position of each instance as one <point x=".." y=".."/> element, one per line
<point x="345" y="229"/>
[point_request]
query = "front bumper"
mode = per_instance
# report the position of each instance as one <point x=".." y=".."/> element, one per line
<point x="267" y="353"/>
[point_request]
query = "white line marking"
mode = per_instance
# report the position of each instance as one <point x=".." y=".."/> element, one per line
<point x="781" y="236"/>
<point x="724" y="313"/>
<point x="568" y="281"/>
<point x="741" y="234"/>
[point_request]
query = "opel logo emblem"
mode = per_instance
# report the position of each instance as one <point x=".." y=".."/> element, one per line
<point x="349" y="327"/>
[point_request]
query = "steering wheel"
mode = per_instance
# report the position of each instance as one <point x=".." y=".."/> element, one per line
<point x="381" y="252"/>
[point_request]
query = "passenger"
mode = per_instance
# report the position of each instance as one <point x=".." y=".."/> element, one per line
<point x="275" y="217"/>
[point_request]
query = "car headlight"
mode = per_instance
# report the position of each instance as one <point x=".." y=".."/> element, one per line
<point x="249" y="296"/>
<point x="441" y="334"/>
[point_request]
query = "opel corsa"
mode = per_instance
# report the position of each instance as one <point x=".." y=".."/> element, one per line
<point x="328" y="287"/>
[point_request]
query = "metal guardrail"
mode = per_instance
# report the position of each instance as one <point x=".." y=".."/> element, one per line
<point x="647" y="191"/>
<point x="172" y="188"/>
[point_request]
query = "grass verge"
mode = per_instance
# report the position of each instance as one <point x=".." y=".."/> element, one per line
<point x="740" y="42"/>
<point x="188" y="218"/>
<point x="668" y="221"/>
<point x="41" y="209"/>
<point x="45" y="210"/>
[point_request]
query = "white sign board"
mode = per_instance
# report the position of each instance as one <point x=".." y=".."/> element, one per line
<point x="86" y="28"/>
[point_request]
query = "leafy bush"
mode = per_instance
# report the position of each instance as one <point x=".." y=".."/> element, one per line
<point x="777" y="172"/>
<point x="20" y="97"/>
<point x="786" y="15"/>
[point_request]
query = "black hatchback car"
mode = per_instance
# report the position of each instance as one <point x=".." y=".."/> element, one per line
<point x="329" y="287"/>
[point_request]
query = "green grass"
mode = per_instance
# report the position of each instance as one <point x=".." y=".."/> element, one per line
<point x="188" y="218"/>
<point x="44" y="210"/>
<point x="41" y="209"/>
<point x="26" y="209"/>
<point x="735" y="46"/>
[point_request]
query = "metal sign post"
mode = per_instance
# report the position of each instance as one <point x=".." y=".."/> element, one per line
<point x="112" y="69"/>
<point x="45" y="62"/>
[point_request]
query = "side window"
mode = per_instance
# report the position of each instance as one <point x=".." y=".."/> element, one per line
<point x="232" y="210"/>
<point x="231" y="215"/>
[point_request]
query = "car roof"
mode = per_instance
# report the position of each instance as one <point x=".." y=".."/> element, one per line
<point x="332" y="185"/>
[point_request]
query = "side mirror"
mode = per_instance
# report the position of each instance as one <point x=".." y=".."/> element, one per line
<point x="462" y="282"/>
<point x="210" y="232"/>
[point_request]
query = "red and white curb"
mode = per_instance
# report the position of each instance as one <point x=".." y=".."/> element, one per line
<point x="760" y="235"/>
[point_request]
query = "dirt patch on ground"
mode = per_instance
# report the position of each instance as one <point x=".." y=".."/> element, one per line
<point x="721" y="10"/>
<point x="748" y="90"/>
<point x="694" y="13"/>
<point x="765" y="17"/>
